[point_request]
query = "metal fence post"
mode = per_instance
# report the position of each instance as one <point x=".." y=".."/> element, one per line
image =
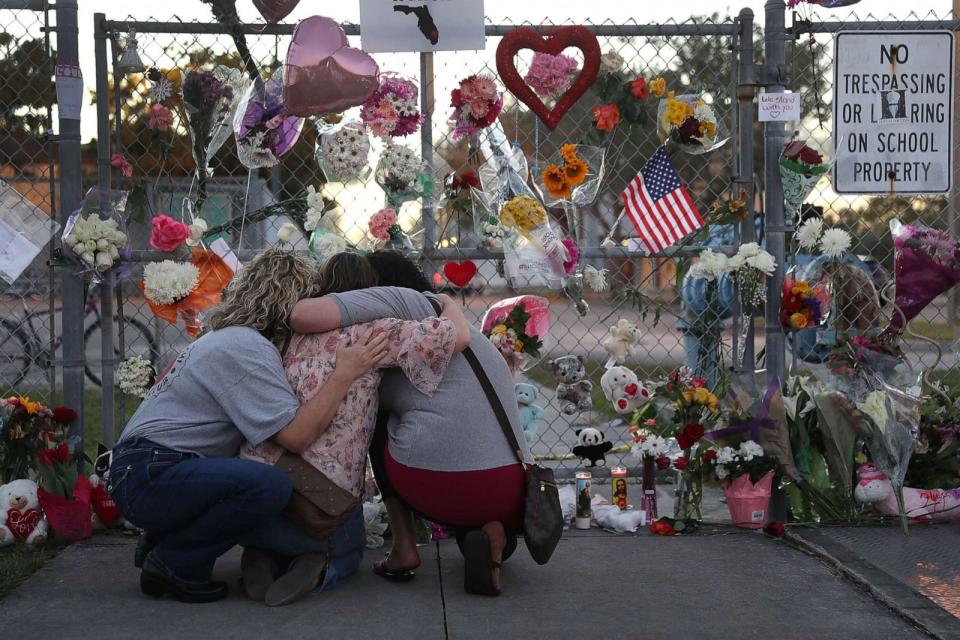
<point x="774" y="134"/>
<point x="71" y="185"/>
<point x="744" y="179"/>
<point x="108" y="282"/>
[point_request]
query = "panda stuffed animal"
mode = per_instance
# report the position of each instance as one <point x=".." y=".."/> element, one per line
<point x="592" y="447"/>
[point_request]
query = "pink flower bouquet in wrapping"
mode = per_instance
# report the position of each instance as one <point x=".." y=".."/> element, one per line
<point x="476" y="105"/>
<point x="550" y="75"/>
<point x="926" y="264"/>
<point x="392" y="110"/>
<point x="518" y="327"/>
<point x="749" y="502"/>
<point x="385" y="228"/>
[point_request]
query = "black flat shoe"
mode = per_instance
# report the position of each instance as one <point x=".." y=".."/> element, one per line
<point x="145" y="545"/>
<point x="393" y="575"/>
<point x="157" y="580"/>
<point x="478" y="566"/>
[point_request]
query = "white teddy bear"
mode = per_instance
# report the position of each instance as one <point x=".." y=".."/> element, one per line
<point x="20" y="514"/>
<point x="621" y="340"/>
<point x="623" y="389"/>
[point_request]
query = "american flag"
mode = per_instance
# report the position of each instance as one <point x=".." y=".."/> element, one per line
<point x="659" y="205"/>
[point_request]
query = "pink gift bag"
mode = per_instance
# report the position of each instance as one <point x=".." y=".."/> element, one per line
<point x="749" y="503"/>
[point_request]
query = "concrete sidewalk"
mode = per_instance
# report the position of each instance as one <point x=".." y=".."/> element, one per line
<point x="719" y="583"/>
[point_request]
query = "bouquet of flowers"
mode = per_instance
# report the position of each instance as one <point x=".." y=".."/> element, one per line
<point x="800" y="169"/>
<point x="263" y="129"/>
<point x="392" y="110"/>
<point x="575" y="179"/>
<point x="518" y="327"/>
<point x="96" y="241"/>
<point x="730" y="211"/>
<point x="878" y="353"/>
<point x="181" y="290"/>
<point x="926" y="264"/>
<point x="135" y="376"/>
<point x="208" y="101"/>
<point x="27" y="426"/>
<point x="305" y="211"/>
<point x="458" y="192"/>
<point x="400" y="173"/>
<point x="688" y="122"/>
<point x="746" y="474"/>
<point x="622" y="95"/>
<point x="749" y="266"/>
<point x="476" y="105"/>
<point x="343" y="155"/>
<point x="64" y="494"/>
<point x="385" y="229"/>
<point x="528" y="217"/>
<point x="728" y="463"/>
<point x="804" y="305"/>
<point x="550" y="75"/>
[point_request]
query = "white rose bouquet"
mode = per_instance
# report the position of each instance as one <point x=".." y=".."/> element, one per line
<point x="748" y="267"/>
<point x="96" y="241"/>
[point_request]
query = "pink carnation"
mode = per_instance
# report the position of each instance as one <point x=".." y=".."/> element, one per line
<point x="120" y="163"/>
<point x="550" y="74"/>
<point x="380" y="224"/>
<point x="573" y="256"/>
<point x="160" y="118"/>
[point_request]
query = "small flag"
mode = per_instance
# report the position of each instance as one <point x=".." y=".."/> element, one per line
<point x="659" y="205"/>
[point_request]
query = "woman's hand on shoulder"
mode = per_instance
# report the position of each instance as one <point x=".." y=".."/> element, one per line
<point x="365" y="353"/>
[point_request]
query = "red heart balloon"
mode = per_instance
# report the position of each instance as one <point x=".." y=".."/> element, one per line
<point x="560" y="39"/>
<point x="322" y="73"/>
<point x="460" y="273"/>
<point x="22" y="523"/>
<point x="274" y="11"/>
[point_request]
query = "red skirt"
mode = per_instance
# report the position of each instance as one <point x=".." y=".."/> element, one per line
<point x="461" y="498"/>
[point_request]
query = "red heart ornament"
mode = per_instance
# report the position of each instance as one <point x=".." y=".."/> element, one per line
<point x="559" y="39"/>
<point x="22" y="523"/>
<point x="460" y="273"/>
<point x="631" y="389"/>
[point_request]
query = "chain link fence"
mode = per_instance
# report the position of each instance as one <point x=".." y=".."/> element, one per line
<point x="29" y="343"/>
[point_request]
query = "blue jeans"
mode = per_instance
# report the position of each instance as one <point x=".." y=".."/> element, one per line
<point x="200" y="508"/>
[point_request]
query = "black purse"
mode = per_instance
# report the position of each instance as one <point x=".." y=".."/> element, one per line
<point x="542" y="515"/>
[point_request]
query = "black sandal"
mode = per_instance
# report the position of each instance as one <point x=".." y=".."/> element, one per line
<point x="478" y="565"/>
<point x="393" y="575"/>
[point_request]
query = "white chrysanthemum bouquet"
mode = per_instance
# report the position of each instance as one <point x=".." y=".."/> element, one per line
<point x="135" y="376"/>
<point x="748" y="267"/>
<point x="167" y="282"/>
<point x="344" y="154"/>
<point x="96" y="241"/>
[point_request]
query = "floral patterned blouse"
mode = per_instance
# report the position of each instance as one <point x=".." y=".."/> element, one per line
<point x="422" y="350"/>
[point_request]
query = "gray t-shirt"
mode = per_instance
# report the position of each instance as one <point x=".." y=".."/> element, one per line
<point x="456" y="429"/>
<point x="226" y="387"/>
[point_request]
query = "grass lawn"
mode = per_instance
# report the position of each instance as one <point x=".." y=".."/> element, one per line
<point x="942" y="332"/>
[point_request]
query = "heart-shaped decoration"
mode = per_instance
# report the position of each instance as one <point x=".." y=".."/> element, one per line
<point x="631" y="389"/>
<point x="22" y="523"/>
<point x="322" y="73"/>
<point x="460" y="273"/>
<point x="559" y="39"/>
<point x="274" y="11"/>
<point x="621" y="404"/>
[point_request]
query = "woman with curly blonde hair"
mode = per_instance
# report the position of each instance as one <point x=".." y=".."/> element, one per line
<point x="175" y="473"/>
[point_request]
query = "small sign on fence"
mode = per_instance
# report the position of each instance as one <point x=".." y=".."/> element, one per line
<point x="779" y="107"/>
<point x="893" y="112"/>
<point x="69" y="82"/>
<point x="421" y="25"/>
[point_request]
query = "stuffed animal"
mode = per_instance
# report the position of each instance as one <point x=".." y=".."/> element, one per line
<point x="623" y="389"/>
<point x="20" y="515"/>
<point x="874" y="487"/>
<point x="105" y="513"/>
<point x="611" y="517"/>
<point x="592" y="447"/>
<point x="529" y="412"/>
<point x="621" y="340"/>
<point x="573" y="388"/>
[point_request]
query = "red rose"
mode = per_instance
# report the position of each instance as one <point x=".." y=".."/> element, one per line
<point x="64" y="415"/>
<point x="810" y="156"/>
<point x="690" y="435"/>
<point x="710" y="455"/>
<point x="45" y="457"/>
<point x="793" y="149"/>
<point x="663" y="462"/>
<point x="774" y="529"/>
<point x="662" y="528"/>
<point x="168" y="234"/>
<point x="61" y="453"/>
<point x="639" y="89"/>
<point x="455" y="99"/>
<point x="698" y="382"/>
<point x="680" y="463"/>
<point x="469" y="179"/>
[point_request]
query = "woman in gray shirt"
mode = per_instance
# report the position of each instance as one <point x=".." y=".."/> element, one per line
<point x="445" y="457"/>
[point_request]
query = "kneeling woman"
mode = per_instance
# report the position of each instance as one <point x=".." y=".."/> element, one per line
<point x="175" y="473"/>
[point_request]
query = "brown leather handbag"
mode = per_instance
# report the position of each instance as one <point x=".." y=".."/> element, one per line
<point x="318" y="505"/>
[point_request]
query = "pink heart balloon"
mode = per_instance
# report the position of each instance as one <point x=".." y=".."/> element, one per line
<point x="322" y="73"/>
<point x="274" y="11"/>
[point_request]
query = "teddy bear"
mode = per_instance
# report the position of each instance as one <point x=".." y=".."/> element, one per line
<point x="20" y="515"/>
<point x="529" y="412"/>
<point x="573" y="388"/>
<point x="623" y="389"/>
<point x="592" y="446"/>
<point x="621" y="340"/>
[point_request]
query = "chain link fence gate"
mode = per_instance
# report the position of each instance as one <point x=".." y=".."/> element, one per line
<point x="868" y="218"/>
<point x="694" y="56"/>
<point x="30" y="305"/>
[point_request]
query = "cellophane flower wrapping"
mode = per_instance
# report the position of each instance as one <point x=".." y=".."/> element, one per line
<point x="926" y="264"/>
<point x="208" y="102"/>
<point x="403" y="176"/>
<point x="225" y="114"/>
<point x="535" y="253"/>
<point x="854" y="305"/>
<point x="585" y="189"/>
<point x="798" y="181"/>
<point x="476" y="104"/>
<point x="344" y="153"/>
<point x="392" y="111"/>
<point x="538" y="325"/>
<point x="689" y="123"/>
<point x="263" y="130"/>
<point x="95" y="235"/>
